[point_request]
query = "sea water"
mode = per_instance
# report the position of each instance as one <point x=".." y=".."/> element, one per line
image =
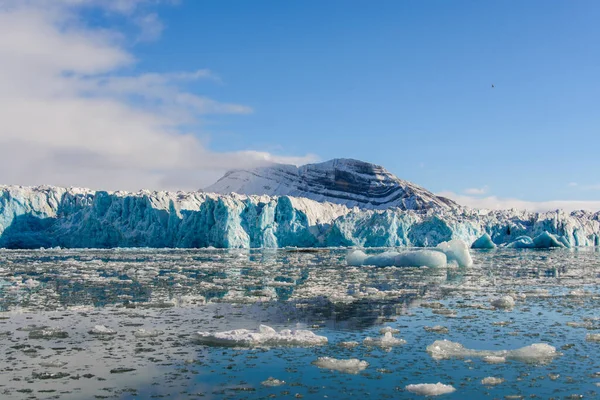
<point x="124" y="323"/>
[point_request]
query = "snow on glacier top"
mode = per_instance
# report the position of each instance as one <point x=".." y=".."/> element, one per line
<point x="352" y="183"/>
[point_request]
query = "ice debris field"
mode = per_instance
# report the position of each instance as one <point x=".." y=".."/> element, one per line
<point x="447" y="321"/>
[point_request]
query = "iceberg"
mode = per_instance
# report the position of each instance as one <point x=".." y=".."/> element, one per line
<point x="537" y="352"/>
<point x="484" y="242"/>
<point x="351" y="366"/>
<point x="458" y="251"/>
<point x="413" y="258"/>
<point x="430" y="389"/>
<point x="264" y="337"/>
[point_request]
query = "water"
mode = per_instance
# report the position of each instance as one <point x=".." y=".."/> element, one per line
<point x="175" y="293"/>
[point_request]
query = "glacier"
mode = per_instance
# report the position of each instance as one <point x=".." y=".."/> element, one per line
<point x="47" y="216"/>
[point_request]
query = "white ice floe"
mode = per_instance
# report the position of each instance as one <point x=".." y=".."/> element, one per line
<point x="494" y="359"/>
<point x="53" y="364"/>
<point x="389" y="329"/>
<point x="265" y="336"/>
<point x="436" y="329"/>
<point x="491" y="381"/>
<point x="504" y="302"/>
<point x="348" y="345"/>
<point x="48" y="333"/>
<point x="143" y="333"/>
<point x="458" y="251"/>
<point x="413" y="258"/>
<point x="272" y="382"/>
<point x="387" y="340"/>
<point x="537" y="352"/>
<point x="592" y="337"/>
<point x="102" y="330"/>
<point x="430" y="389"/>
<point x="350" y="366"/>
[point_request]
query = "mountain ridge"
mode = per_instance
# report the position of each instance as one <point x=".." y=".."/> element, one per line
<point x="346" y="181"/>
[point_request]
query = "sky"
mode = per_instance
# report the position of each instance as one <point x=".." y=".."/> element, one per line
<point x="168" y="95"/>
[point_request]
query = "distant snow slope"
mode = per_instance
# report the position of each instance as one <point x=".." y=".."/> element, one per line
<point x="342" y="181"/>
<point x="44" y="216"/>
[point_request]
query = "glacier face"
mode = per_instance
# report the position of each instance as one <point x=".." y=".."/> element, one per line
<point x="51" y="216"/>
<point x="343" y="181"/>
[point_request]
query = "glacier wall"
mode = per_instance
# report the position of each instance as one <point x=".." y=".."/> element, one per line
<point x="34" y="217"/>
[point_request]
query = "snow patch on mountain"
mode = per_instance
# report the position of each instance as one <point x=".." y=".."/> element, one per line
<point x="343" y="181"/>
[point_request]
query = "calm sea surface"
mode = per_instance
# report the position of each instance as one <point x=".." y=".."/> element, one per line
<point x="81" y="324"/>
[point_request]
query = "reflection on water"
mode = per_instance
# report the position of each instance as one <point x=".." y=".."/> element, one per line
<point x="174" y="293"/>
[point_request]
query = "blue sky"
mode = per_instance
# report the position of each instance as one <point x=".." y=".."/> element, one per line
<point x="404" y="84"/>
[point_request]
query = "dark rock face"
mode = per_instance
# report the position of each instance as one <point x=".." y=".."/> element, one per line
<point x="343" y="181"/>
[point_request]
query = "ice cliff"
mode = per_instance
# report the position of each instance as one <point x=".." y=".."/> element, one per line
<point x="33" y="217"/>
<point x="341" y="181"/>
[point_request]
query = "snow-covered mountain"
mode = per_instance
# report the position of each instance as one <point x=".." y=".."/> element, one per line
<point x="342" y="181"/>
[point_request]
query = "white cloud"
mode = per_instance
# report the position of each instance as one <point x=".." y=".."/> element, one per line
<point x="498" y="203"/>
<point x="477" y="191"/>
<point x="70" y="117"/>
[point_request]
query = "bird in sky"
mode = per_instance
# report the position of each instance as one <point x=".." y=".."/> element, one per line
<point x="493" y="86"/>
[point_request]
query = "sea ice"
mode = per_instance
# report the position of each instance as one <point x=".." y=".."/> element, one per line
<point x="265" y="336"/>
<point x="484" y="242"/>
<point x="430" y="389"/>
<point x="505" y="302"/>
<point x="272" y="382"/>
<point x="592" y="337"/>
<point x="350" y="366"/>
<point x="436" y="329"/>
<point x="491" y="381"/>
<point x="456" y="250"/>
<point x="142" y="333"/>
<point x="537" y="352"/>
<point x="413" y="258"/>
<point x="102" y="330"/>
<point x="389" y="329"/>
<point x="387" y="340"/>
<point x="48" y="333"/>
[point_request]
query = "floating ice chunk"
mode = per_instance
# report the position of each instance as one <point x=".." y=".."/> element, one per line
<point x="421" y="258"/>
<point x="31" y="283"/>
<point x="456" y="250"/>
<point x="356" y="258"/>
<point x="272" y="382"/>
<point x="266" y="336"/>
<point x="102" y="330"/>
<point x="430" y="389"/>
<point x="389" y="329"/>
<point x="491" y="381"/>
<point x="592" y="337"/>
<point x="544" y="240"/>
<point x="53" y="364"/>
<point x="387" y="340"/>
<point x="505" y="302"/>
<point x="413" y="258"/>
<point x="522" y="242"/>
<point x="494" y="359"/>
<point x="484" y="242"/>
<point x="537" y="352"/>
<point x="547" y="240"/>
<point x="48" y="333"/>
<point x="350" y="366"/>
<point x="348" y="345"/>
<point x="436" y="329"/>
<point x="142" y="333"/>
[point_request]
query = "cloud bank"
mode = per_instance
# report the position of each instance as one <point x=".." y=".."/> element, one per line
<point x="71" y="115"/>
